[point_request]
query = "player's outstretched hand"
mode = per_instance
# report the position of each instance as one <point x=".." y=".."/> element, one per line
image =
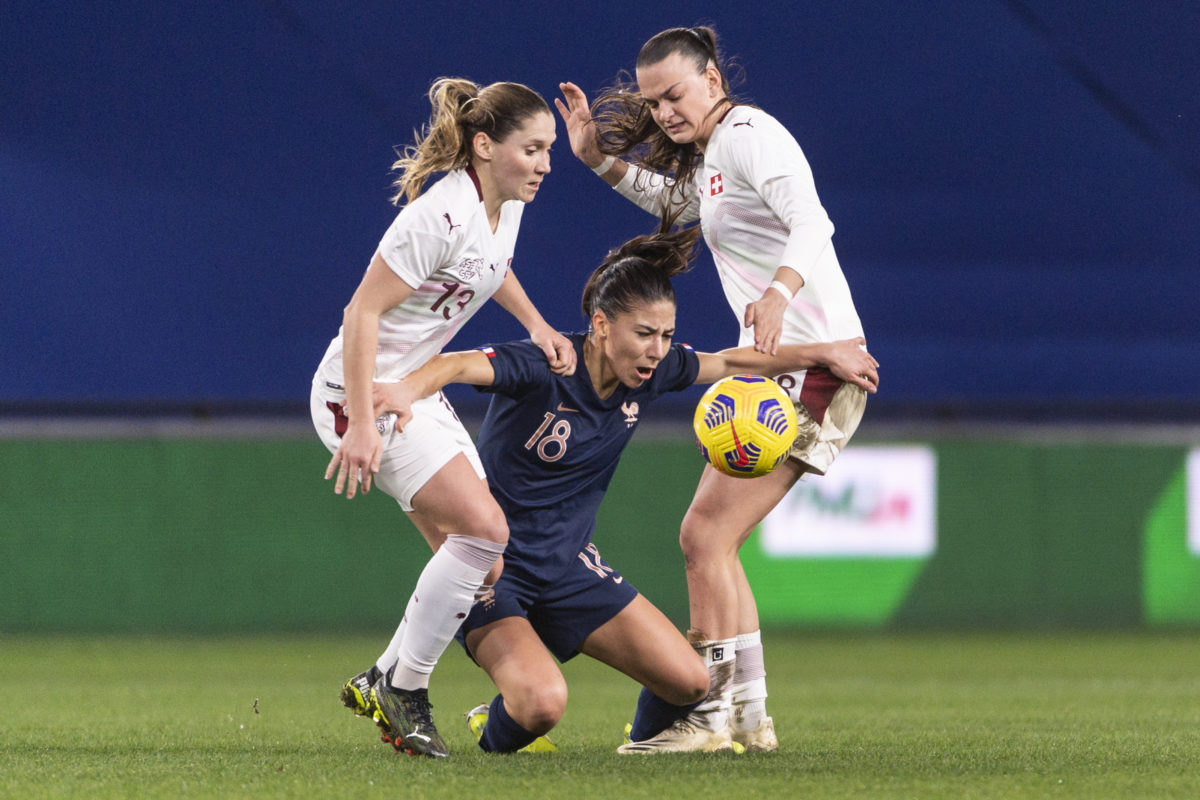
<point x="581" y="132"/>
<point x="849" y="361"/>
<point x="356" y="460"/>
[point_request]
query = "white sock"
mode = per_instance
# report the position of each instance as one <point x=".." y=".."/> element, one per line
<point x="749" y="683"/>
<point x="388" y="658"/>
<point x="443" y="596"/>
<point x="720" y="656"/>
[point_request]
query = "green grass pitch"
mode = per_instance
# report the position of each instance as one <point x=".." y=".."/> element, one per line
<point x="858" y="716"/>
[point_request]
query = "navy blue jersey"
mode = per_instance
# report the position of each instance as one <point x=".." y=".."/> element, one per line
<point x="550" y="446"/>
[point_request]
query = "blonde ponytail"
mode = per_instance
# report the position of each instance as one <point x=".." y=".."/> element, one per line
<point x="461" y="109"/>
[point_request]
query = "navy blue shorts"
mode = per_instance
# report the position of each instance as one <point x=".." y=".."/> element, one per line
<point x="586" y="595"/>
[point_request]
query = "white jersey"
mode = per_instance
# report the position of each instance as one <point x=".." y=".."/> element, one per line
<point x="441" y="245"/>
<point x="758" y="208"/>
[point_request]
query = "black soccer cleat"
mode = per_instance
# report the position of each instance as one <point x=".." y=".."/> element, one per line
<point x="356" y="692"/>
<point x="405" y="719"/>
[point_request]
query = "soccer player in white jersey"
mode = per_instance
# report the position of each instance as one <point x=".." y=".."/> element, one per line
<point x="696" y="154"/>
<point x="448" y="251"/>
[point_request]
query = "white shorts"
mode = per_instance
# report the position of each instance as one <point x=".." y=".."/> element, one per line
<point x="430" y="439"/>
<point x="827" y="415"/>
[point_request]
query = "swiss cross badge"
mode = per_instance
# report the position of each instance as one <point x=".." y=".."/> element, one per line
<point x="715" y="187"/>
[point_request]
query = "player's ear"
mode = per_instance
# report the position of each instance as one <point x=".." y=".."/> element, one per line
<point x="481" y="145"/>
<point x="600" y="325"/>
<point x="712" y="77"/>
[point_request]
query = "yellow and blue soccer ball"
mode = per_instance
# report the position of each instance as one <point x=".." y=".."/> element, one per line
<point x="745" y="425"/>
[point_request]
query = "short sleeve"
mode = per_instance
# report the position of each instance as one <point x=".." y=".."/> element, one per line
<point x="519" y="368"/>
<point x="678" y="370"/>
<point x="412" y="249"/>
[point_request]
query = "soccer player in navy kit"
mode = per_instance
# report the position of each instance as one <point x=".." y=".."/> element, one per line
<point x="550" y="445"/>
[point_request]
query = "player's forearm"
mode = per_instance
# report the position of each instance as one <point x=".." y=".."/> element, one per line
<point x="652" y="192"/>
<point x="470" y="367"/>
<point x="512" y="298"/>
<point x="615" y="172"/>
<point x="790" y="357"/>
<point x="431" y="377"/>
<point x="788" y="279"/>
<point x="360" y="334"/>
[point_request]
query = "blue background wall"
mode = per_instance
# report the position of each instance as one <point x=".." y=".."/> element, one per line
<point x="189" y="192"/>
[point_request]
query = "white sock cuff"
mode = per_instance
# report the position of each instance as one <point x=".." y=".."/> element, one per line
<point x="750" y="664"/>
<point x="750" y="691"/>
<point x="473" y="551"/>
<point x="749" y="639"/>
<point x="716" y="651"/>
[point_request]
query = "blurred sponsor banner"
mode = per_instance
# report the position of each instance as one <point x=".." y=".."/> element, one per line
<point x="845" y="548"/>
<point x="874" y="501"/>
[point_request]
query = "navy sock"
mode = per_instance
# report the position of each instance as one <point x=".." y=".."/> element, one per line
<point x="502" y="734"/>
<point x="654" y="715"/>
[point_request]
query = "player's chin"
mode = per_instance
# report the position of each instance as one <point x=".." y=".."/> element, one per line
<point x="680" y="134"/>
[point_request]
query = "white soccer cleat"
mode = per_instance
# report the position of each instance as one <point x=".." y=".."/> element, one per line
<point x="684" y="736"/>
<point x="759" y="740"/>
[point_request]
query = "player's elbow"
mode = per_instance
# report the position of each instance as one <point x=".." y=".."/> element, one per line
<point x="357" y="314"/>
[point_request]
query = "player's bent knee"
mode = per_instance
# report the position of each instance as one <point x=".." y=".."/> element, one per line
<point x="539" y="710"/>
<point x="697" y="685"/>
<point x="684" y="694"/>
<point x="491" y="526"/>
<point x="688" y="687"/>
<point x="691" y="528"/>
<point x="700" y="554"/>
<point x="542" y="719"/>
